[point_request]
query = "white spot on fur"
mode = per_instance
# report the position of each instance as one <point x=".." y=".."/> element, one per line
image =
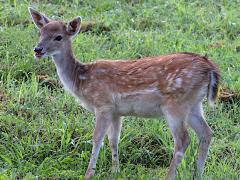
<point x="170" y="80"/>
<point x="168" y="76"/>
<point x="178" y="82"/>
<point x="189" y="74"/>
<point x="101" y="70"/>
<point x="185" y="71"/>
<point x="82" y="77"/>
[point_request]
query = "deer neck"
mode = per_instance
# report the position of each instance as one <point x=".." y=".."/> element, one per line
<point x="65" y="63"/>
<point x="64" y="59"/>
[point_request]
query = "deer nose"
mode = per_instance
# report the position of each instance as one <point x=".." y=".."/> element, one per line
<point x="38" y="49"/>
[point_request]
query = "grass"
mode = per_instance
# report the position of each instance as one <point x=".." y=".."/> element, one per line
<point x="44" y="133"/>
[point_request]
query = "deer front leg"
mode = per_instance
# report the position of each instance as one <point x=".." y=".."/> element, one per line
<point x="103" y="120"/>
<point x="113" y="133"/>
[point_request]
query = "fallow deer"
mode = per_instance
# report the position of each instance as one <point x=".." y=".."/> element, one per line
<point x="172" y="85"/>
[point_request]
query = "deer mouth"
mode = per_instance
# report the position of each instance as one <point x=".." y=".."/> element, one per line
<point x="39" y="54"/>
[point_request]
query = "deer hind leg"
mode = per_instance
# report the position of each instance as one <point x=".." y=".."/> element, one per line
<point x="113" y="137"/>
<point x="103" y="120"/>
<point x="204" y="133"/>
<point x="176" y="120"/>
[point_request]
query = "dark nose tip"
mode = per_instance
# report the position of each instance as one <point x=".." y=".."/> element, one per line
<point x="38" y="49"/>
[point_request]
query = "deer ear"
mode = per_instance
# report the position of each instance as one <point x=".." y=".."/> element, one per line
<point x="39" y="19"/>
<point x="73" y="27"/>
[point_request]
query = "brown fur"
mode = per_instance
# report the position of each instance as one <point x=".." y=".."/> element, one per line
<point x="131" y="75"/>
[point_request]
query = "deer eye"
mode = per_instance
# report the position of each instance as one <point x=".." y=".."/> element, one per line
<point x="58" y="38"/>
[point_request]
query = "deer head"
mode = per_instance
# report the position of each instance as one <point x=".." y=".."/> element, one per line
<point x="55" y="36"/>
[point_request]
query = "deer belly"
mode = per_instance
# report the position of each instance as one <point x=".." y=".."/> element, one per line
<point x="147" y="105"/>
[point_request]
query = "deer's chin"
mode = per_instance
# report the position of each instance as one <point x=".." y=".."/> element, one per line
<point x="40" y="55"/>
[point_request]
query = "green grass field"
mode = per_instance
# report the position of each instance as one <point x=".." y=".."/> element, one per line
<point x="44" y="133"/>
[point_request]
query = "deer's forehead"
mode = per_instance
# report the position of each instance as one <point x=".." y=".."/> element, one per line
<point x="54" y="27"/>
